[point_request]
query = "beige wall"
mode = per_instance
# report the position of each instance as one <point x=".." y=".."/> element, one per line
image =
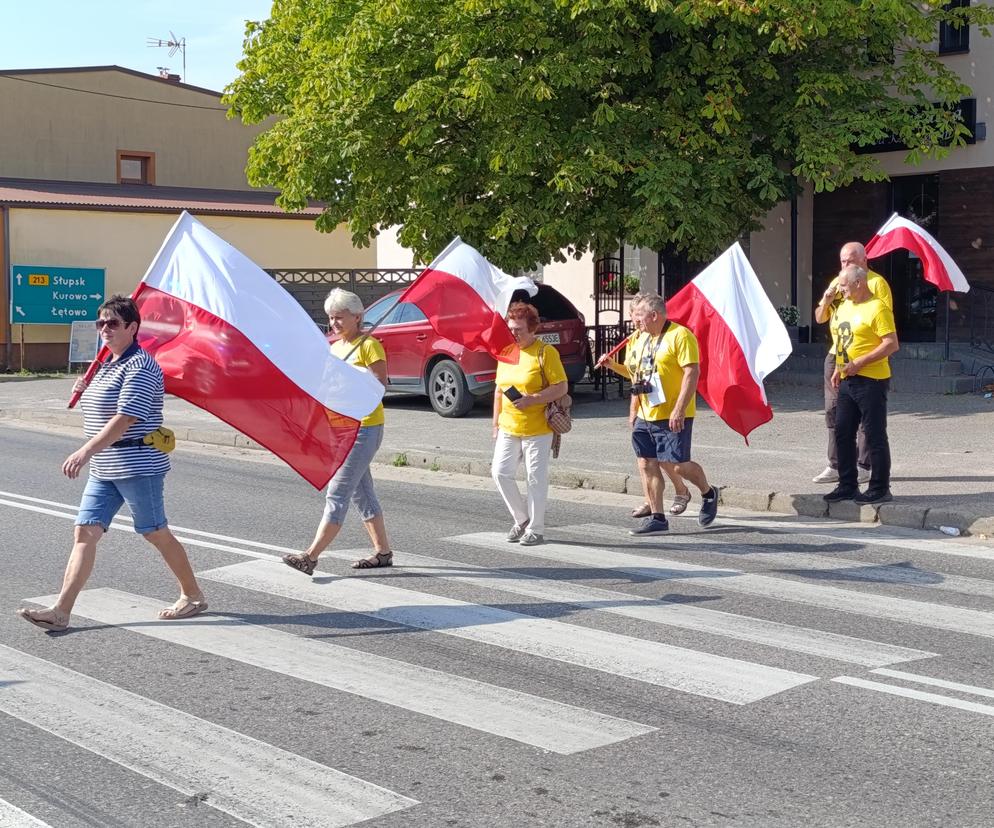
<point x="125" y="243"/>
<point x="74" y="136"/>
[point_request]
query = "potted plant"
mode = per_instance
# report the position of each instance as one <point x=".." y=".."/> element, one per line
<point x="790" y="316"/>
<point x="632" y="284"/>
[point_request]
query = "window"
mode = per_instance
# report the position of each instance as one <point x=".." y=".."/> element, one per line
<point x="954" y="39"/>
<point x="135" y="167"/>
<point x="378" y="310"/>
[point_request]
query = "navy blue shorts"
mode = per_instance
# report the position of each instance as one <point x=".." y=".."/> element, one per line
<point x="653" y="440"/>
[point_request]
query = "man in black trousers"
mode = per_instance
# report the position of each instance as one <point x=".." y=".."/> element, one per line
<point x="865" y="336"/>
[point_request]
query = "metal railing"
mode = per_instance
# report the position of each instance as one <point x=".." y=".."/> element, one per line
<point x="310" y="286"/>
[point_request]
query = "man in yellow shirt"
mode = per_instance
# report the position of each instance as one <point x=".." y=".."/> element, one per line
<point x="865" y="337"/>
<point x="852" y="253"/>
<point x="664" y="390"/>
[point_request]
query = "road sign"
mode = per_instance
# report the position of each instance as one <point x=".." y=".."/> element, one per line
<point x="55" y="295"/>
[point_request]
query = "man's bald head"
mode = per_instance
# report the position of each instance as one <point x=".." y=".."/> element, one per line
<point x="853" y="253"/>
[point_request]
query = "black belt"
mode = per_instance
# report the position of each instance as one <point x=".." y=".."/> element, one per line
<point x="137" y="441"/>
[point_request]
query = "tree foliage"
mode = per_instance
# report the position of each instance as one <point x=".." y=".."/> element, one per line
<point x="533" y="126"/>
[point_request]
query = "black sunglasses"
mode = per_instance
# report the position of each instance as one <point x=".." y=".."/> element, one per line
<point x="113" y="324"/>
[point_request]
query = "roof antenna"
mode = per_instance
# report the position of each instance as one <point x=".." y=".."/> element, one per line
<point x="174" y="44"/>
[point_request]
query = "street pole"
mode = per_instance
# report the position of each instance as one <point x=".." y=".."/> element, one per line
<point x="9" y="278"/>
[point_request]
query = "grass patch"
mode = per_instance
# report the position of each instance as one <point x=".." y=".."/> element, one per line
<point x="400" y="460"/>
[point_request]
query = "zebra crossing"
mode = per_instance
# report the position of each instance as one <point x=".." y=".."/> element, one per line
<point x="265" y="785"/>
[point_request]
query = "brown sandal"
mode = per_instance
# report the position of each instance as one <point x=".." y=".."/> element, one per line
<point x="183" y="608"/>
<point x="374" y="562"/>
<point x="56" y="624"/>
<point x="643" y="511"/>
<point x="301" y="562"/>
<point x="679" y="505"/>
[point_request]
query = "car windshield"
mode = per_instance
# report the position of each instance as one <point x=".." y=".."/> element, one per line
<point x="375" y="312"/>
<point x="551" y="305"/>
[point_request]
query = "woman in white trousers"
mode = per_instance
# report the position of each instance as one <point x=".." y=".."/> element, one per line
<point x="521" y="432"/>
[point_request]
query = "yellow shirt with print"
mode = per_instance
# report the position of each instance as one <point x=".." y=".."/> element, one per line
<point x="368" y="353"/>
<point x="668" y="355"/>
<point x="858" y="328"/>
<point x="526" y="376"/>
<point x="630" y="365"/>
<point x="878" y="287"/>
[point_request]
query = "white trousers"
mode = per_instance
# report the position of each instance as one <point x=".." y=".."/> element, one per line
<point x="509" y="451"/>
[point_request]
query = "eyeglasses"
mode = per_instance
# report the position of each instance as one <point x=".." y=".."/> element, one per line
<point x="110" y="324"/>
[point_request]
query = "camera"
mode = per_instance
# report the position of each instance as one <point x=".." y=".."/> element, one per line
<point x="640" y="387"/>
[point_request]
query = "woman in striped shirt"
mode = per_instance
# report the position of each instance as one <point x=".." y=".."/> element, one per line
<point x="121" y="406"/>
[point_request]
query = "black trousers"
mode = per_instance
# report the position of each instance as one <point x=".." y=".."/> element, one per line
<point x="863" y="401"/>
<point x="831" y="402"/>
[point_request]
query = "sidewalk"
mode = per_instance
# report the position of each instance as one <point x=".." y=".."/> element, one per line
<point x="942" y="448"/>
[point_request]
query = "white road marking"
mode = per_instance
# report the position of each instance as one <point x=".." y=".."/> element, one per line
<point x="532" y="720"/>
<point x="919" y="613"/>
<point x="253" y="781"/>
<point x="13" y="817"/>
<point x="933" y="698"/>
<point x="670" y="613"/>
<point x="843" y="569"/>
<point x="935" y="682"/>
<point x="689" y="671"/>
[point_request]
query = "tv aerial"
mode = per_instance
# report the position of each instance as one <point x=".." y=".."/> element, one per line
<point x="174" y="44"/>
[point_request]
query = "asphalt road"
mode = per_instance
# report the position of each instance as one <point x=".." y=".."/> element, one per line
<point x="763" y="673"/>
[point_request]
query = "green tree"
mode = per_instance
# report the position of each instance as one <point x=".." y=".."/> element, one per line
<point x="533" y="126"/>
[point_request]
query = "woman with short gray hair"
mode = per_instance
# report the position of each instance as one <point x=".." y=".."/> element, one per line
<point x="353" y="481"/>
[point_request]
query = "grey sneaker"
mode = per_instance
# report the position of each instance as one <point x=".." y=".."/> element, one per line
<point x="651" y="526"/>
<point x="514" y="535"/>
<point x="829" y="475"/>
<point x="531" y="539"/>
<point x="863" y="476"/>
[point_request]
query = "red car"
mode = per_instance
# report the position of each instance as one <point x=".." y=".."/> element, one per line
<point x="419" y="361"/>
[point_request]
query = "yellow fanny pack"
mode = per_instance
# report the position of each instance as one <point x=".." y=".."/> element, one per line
<point x="162" y="439"/>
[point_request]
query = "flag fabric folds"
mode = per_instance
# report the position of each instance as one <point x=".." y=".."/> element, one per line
<point x="742" y="338"/>
<point x="939" y="267"/>
<point x="233" y="342"/>
<point x="466" y="298"/>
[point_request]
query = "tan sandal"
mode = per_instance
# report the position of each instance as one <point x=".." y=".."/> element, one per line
<point x="181" y="610"/>
<point x="642" y="511"/>
<point x="679" y="504"/>
<point x="374" y="561"/>
<point x="56" y="623"/>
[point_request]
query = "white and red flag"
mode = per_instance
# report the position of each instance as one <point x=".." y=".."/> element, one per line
<point x="741" y="336"/>
<point x="230" y="340"/>
<point x="465" y="298"/>
<point x="939" y="267"/>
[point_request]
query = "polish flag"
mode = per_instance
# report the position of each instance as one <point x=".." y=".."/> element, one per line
<point x="742" y="338"/>
<point x="465" y="299"/>
<point x="230" y="340"/>
<point x="899" y="233"/>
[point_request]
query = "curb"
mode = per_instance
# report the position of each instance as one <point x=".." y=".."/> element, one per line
<point x="800" y="505"/>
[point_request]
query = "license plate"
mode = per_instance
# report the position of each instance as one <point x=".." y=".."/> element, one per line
<point x="549" y="338"/>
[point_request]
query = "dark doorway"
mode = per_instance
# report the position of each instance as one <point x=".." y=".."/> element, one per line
<point x="916" y="197"/>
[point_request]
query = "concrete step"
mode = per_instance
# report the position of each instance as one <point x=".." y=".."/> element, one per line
<point x="900" y="366"/>
<point x="908" y="383"/>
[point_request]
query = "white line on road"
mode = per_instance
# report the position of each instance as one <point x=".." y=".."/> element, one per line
<point x="13" y="817"/>
<point x="935" y="682"/>
<point x="251" y="780"/>
<point x="920" y="613"/>
<point x="703" y="674"/>
<point x="550" y="725"/>
<point x="908" y="693"/>
<point x="840" y="568"/>
<point x="674" y="613"/>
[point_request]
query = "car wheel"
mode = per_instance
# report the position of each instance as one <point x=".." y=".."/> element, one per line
<point x="447" y="390"/>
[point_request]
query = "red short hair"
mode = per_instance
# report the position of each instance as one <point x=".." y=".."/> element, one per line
<point x="522" y="310"/>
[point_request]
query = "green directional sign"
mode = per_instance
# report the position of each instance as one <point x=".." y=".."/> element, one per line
<point x="43" y="295"/>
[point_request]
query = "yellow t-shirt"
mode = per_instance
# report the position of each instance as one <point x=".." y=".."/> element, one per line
<point x="526" y="376"/>
<point x="368" y="353"/>
<point x="666" y="356"/>
<point x="859" y="328"/>
<point x="630" y="365"/>
<point x="878" y="287"/>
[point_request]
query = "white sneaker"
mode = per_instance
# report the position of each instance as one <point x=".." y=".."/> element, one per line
<point x="531" y="539"/>
<point x="517" y="531"/>
<point x="863" y="476"/>
<point x="829" y="475"/>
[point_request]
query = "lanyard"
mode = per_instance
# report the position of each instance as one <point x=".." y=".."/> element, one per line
<point x="655" y="350"/>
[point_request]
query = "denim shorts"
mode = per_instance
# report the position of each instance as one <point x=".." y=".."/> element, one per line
<point x="654" y="440"/>
<point x="102" y="499"/>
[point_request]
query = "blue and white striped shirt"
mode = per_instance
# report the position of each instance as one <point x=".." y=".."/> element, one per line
<point x="132" y="385"/>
